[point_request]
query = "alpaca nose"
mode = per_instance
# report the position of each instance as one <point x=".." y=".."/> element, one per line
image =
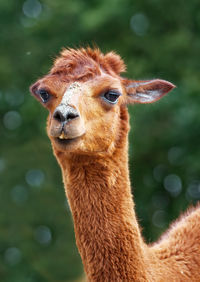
<point x="64" y="113"/>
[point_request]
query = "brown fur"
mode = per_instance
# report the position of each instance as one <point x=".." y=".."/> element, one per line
<point x="96" y="178"/>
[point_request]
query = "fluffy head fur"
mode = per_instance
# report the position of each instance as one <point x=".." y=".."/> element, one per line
<point x="86" y="63"/>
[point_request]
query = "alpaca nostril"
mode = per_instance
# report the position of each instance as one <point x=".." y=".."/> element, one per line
<point x="71" y="116"/>
<point x="65" y="113"/>
<point x="58" y="116"/>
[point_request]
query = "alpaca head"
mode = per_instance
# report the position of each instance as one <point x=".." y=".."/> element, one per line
<point x="86" y="99"/>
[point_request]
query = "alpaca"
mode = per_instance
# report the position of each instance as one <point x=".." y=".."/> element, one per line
<point x="88" y="127"/>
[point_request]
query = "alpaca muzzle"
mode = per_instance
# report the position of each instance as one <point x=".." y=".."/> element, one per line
<point x="64" y="113"/>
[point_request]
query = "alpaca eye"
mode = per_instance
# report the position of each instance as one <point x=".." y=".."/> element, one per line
<point x="111" y="96"/>
<point x="45" y="96"/>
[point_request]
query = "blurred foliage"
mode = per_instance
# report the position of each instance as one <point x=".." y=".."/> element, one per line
<point x="156" y="39"/>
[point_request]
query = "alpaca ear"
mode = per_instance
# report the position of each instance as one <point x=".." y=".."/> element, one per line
<point x="147" y="91"/>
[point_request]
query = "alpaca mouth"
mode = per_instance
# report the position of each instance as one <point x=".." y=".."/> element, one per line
<point x="61" y="140"/>
<point x="65" y="141"/>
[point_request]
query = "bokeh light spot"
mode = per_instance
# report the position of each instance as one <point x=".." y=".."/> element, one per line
<point x="193" y="190"/>
<point x="139" y="24"/>
<point x="173" y="184"/>
<point x="12" y="120"/>
<point x="32" y="8"/>
<point x="35" y="177"/>
<point x="159" y="218"/>
<point x="43" y="235"/>
<point x="12" y="256"/>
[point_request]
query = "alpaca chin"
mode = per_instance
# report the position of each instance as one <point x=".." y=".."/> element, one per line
<point x="66" y="145"/>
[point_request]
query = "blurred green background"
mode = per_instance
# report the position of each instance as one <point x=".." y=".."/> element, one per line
<point x="156" y="39"/>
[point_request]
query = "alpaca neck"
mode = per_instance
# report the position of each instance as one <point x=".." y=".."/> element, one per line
<point x="106" y="229"/>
